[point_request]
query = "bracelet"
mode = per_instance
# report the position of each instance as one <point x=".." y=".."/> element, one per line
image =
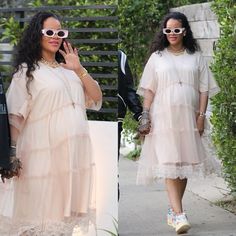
<point x="83" y="74"/>
<point x="145" y="110"/>
<point x="202" y="114"/>
<point x="12" y="151"/>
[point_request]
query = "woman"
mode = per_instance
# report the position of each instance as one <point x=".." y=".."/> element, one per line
<point x="46" y="101"/>
<point x="176" y="84"/>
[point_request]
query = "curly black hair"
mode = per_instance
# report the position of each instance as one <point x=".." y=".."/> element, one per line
<point x="29" y="48"/>
<point x="160" y="41"/>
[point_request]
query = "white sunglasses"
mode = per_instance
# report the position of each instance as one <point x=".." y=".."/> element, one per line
<point x="52" y="32"/>
<point x="174" y="30"/>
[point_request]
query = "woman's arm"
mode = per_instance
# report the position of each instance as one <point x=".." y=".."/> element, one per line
<point x="16" y="124"/>
<point x="145" y="122"/>
<point x="73" y="63"/>
<point x="14" y="135"/>
<point x="90" y="85"/>
<point x="203" y="101"/>
<point x="148" y="99"/>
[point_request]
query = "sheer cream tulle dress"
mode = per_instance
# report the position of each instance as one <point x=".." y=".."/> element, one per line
<point x="174" y="147"/>
<point x="55" y="189"/>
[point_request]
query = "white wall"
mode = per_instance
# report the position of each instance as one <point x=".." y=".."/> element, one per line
<point x="104" y="137"/>
<point x="204" y="25"/>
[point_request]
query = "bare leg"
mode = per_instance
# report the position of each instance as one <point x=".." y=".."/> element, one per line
<point x="182" y="185"/>
<point x="176" y="189"/>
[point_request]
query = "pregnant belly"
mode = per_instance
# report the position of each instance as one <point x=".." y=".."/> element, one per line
<point x="68" y="123"/>
<point x="180" y="95"/>
<point x="175" y="109"/>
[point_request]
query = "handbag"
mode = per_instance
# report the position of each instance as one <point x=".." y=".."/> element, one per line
<point x="5" y="139"/>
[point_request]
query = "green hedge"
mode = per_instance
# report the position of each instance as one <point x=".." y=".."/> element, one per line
<point x="138" y="20"/>
<point x="224" y="105"/>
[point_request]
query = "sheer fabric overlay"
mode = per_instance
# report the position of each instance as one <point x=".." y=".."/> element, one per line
<point x="174" y="148"/>
<point x="56" y="189"/>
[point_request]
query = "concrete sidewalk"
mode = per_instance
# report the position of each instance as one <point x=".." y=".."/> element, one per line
<point x="142" y="209"/>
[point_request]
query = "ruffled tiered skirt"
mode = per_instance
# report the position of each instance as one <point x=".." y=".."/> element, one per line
<point x="174" y="148"/>
<point x="55" y="191"/>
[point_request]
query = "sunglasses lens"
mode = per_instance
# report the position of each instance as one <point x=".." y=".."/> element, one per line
<point x="61" y="34"/>
<point x="177" y="31"/>
<point x="49" y="33"/>
<point x="167" y="31"/>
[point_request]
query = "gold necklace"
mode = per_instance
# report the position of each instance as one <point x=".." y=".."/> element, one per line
<point x="176" y="53"/>
<point x="53" y="64"/>
<point x="180" y="82"/>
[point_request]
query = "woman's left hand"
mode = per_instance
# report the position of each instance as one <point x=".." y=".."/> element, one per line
<point x="71" y="57"/>
<point x="200" y="124"/>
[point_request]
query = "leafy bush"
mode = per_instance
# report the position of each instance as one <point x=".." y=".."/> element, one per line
<point x="138" y="20"/>
<point x="12" y="30"/>
<point x="11" y="33"/>
<point x="224" y="105"/>
<point x="178" y="3"/>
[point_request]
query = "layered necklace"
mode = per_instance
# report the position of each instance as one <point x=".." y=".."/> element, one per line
<point x="63" y="79"/>
<point x="176" y="53"/>
<point x="53" y="64"/>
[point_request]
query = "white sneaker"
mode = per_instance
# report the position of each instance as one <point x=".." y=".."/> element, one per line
<point x="171" y="217"/>
<point x="181" y="224"/>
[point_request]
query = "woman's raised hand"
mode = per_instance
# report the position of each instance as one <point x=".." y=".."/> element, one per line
<point x="71" y="57"/>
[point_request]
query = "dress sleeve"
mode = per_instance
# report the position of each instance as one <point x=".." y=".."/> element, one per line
<point x="148" y="80"/>
<point x="91" y="104"/>
<point x="207" y="81"/>
<point x="18" y="100"/>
